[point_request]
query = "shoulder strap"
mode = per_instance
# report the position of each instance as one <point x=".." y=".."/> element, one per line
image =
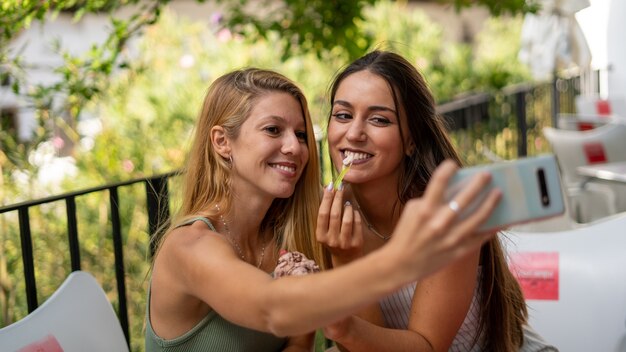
<point x="199" y="218"/>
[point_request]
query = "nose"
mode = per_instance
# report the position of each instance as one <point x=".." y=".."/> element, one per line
<point x="356" y="131"/>
<point x="291" y="144"/>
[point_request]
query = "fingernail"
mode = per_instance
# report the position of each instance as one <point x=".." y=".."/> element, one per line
<point x="347" y="203"/>
<point x="330" y="186"/>
<point x="341" y="186"/>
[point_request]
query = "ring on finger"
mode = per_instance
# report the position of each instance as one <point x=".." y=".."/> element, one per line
<point x="454" y="206"/>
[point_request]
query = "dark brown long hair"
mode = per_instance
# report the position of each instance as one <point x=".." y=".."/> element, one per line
<point x="503" y="309"/>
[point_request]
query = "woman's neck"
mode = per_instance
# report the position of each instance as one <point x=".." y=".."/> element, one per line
<point x="379" y="205"/>
<point x="245" y="218"/>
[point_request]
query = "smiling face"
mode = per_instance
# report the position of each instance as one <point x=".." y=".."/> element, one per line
<point x="270" y="152"/>
<point x="364" y="123"/>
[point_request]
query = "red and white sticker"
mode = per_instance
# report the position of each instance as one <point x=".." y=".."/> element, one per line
<point x="537" y="273"/>
<point x="46" y="344"/>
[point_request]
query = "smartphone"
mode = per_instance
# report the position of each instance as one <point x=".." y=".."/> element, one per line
<point x="531" y="190"/>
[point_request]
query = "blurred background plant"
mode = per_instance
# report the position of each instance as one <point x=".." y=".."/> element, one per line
<point x="129" y="113"/>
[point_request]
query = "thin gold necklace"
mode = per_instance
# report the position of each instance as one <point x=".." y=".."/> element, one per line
<point x="236" y="245"/>
<point x="370" y="226"/>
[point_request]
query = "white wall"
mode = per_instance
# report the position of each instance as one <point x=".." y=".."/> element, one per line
<point x="616" y="50"/>
<point x="604" y="26"/>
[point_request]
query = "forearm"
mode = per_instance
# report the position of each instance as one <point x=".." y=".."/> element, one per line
<point x="297" y="305"/>
<point x="363" y="336"/>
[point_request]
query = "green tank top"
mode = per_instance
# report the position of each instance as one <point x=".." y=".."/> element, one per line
<point x="212" y="333"/>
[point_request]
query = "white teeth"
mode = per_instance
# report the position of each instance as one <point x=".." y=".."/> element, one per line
<point x="285" y="168"/>
<point x="351" y="157"/>
<point x="348" y="160"/>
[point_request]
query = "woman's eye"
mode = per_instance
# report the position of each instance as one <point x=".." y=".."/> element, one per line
<point x="342" y="116"/>
<point x="380" y="121"/>
<point x="272" y="129"/>
<point x="301" y="135"/>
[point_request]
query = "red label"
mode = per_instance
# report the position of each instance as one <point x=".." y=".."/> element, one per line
<point x="537" y="273"/>
<point x="603" y="107"/>
<point x="46" y="344"/>
<point x="594" y="151"/>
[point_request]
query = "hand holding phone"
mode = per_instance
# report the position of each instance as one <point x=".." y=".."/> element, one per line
<point x="531" y="190"/>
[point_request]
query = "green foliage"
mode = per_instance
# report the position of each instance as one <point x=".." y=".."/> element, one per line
<point x="82" y="78"/>
<point x="330" y="30"/>
<point x="314" y="26"/>
<point x="496" y="54"/>
<point x="499" y="7"/>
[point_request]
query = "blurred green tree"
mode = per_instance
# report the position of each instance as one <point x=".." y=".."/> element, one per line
<point x="316" y="27"/>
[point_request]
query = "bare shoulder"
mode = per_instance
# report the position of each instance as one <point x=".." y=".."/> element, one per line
<point x="180" y="264"/>
<point x="185" y="242"/>
<point x="188" y="255"/>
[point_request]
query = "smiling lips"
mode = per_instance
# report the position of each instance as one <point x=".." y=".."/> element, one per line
<point x="355" y="157"/>
<point x="288" y="169"/>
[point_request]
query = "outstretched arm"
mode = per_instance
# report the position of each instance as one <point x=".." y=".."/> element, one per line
<point x="202" y="265"/>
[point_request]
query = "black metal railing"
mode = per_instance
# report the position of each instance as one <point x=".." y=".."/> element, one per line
<point x="521" y="100"/>
<point x="157" y="201"/>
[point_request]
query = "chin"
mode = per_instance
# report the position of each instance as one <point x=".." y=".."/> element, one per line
<point x="284" y="192"/>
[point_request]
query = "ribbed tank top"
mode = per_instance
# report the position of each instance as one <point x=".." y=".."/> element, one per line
<point x="213" y="332"/>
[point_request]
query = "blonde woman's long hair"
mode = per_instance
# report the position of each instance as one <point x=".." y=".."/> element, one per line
<point x="207" y="175"/>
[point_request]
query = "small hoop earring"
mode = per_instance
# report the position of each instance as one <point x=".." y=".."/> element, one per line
<point x="230" y="161"/>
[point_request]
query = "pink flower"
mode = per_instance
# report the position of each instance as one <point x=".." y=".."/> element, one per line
<point x="128" y="165"/>
<point x="294" y="264"/>
<point x="58" y="142"/>
<point x="224" y="35"/>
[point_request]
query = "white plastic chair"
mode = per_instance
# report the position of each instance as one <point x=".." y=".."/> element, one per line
<point x="575" y="284"/>
<point x="594" y="105"/>
<point x="576" y="148"/>
<point x="578" y="122"/>
<point x="77" y="317"/>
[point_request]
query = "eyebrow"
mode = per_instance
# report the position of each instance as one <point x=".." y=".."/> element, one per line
<point x="370" y="108"/>
<point x="278" y="119"/>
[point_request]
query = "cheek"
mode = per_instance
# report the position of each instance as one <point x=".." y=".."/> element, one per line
<point x="305" y="155"/>
<point x="392" y="148"/>
<point x="334" y="136"/>
<point x="334" y="132"/>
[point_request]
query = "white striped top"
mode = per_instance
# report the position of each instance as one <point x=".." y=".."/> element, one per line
<point x="396" y="309"/>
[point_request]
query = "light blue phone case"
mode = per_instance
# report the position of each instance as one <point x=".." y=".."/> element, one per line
<point x="524" y="196"/>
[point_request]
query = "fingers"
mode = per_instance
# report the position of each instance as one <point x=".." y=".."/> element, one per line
<point x="339" y="226"/>
<point x="335" y="218"/>
<point x="345" y="235"/>
<point x="443" y="234"/>
<point x="449" y="212"/>
<point x="323" y="215"/>
<point x="439" y="181"/>
<point x="357" y="231"/>
<point x="464" y="237"/>
<point x="483" y="212"/>
<point x="473" y="189"/>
